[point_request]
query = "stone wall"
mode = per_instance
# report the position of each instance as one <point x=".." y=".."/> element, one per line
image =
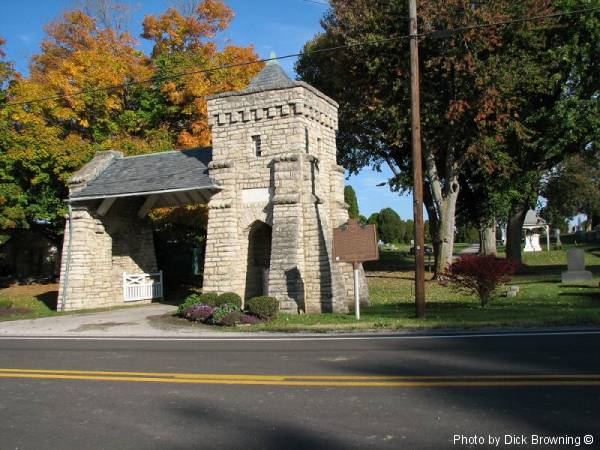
<point x="101" y="249"/>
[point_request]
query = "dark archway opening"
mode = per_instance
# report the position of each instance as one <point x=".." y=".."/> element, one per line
<point x="180" y="243"/>
<point x="259" y="259"/>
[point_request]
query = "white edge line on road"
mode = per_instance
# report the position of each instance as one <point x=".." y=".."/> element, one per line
<point x="301" y="338"/>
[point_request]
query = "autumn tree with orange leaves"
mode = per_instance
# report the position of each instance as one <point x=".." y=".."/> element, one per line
<point x="101" y="93"/>
<point x="182" y="44"/>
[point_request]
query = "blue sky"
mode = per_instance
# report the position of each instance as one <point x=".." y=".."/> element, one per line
<point x="282" y="26"/>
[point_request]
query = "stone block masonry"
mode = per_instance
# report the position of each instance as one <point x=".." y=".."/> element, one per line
<point x="275" y="194"/>
<point x="102" y="248"/>
<point x="295" y="166"/>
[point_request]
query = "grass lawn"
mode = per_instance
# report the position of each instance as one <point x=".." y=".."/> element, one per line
<point x="542" y="300"/>
<point x="28" y="302"/>
<point x="36" y="300"/>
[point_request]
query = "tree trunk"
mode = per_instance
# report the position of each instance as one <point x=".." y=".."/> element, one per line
<point x="442" y="219"/>
<point x="433" y="223"/>
<point x="446" y="233"/>
<point x="514" y="231"/>
<point x="487" y="240"/>
<point x="589" y="223"/>
<point x="595" y="220"/>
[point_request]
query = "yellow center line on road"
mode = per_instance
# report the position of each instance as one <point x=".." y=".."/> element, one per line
<point x="304" y="377"/>
<point x="310" y="380"/>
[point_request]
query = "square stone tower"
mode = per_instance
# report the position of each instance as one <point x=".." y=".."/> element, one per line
<point x="270" y="228"/>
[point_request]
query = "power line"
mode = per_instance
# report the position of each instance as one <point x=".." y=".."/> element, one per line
<point x="435" y="33"/>
<point x="317" y="2"/>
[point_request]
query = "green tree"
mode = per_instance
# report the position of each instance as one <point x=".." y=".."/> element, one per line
<point x="513" y="100"/>
<point x="557" y="112"/>
<point x="12" y="198"/>
<point x="458" y="92"/>
<point x="373" y="219"/>
<point x="409" y="236"/>
<point x="573" y="188"/>
<point x="351" y="201"/>
<point x="389" y="225"/>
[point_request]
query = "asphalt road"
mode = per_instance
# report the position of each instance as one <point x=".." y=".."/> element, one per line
<point x="395" y="393"/>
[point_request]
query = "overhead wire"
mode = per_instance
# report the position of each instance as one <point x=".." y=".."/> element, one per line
<point x="435" y="33"/>
<point x="317" y="2"/>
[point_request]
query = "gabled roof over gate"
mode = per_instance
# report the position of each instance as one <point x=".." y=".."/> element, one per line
<point x="167" y="174"/>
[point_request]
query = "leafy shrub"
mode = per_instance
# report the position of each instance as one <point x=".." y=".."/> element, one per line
<point x="210" y="298"/>
<point x="220" y="312"/>
<point x="189" y="301"/>
<point x="199" y="313"/>
<point x="231" y="319"/>
<point x="229" y="297"/>
<point x="249" y="319"/>
<point x="263" y="307"/>
<point x="480" y="275"/>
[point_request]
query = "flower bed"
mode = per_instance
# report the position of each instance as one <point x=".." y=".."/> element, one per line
<point x="225" y="309"/>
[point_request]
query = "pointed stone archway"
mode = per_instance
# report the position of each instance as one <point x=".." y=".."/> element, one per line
<point x="258" y="260"/>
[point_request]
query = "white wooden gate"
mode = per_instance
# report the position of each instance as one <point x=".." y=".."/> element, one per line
<point x="142" y="286"/>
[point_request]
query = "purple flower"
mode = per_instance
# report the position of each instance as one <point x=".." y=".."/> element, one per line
<point x="250" y="319"/>
<point x="199" y="313"/>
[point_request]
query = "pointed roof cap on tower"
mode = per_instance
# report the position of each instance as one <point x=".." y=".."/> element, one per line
<point x="272" y="76"/>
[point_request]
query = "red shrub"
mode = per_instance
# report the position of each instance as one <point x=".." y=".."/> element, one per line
<point x="480" y="275"/>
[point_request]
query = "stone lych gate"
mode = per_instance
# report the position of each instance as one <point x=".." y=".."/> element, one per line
<point x="274" y="191"/>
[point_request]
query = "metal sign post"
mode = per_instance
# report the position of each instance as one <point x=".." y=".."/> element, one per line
<point x="355" y="266"/>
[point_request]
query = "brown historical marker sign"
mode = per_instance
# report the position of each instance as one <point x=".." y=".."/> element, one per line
<point x="355" y="243"/>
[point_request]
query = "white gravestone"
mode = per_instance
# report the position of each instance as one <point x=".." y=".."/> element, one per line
<point x="532" y="243"/>
<point x="576" y="267"/>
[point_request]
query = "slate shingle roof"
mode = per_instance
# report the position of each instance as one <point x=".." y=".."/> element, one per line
<point x="155" y="172"/>
<point x="272" y="76"/>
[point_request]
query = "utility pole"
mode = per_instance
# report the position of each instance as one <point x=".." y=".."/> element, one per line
<point x="417" y="163"/>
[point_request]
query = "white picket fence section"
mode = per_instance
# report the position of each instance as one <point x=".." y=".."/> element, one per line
<point x="142" y="286"/>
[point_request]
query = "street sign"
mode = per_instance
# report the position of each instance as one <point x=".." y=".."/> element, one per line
<point x="355" y="243"/>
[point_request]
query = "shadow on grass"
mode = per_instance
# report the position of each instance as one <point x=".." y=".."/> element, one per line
<point x="552" y="269"/>
<point x="392" y="275"/>
<point x="593" y="296"/>
<point x="548" y="280"/>
<point x="406" y="310"/>
<point x="49" y="298"/>
<point x="390" y="261"/>
<point x="594" y="251"/>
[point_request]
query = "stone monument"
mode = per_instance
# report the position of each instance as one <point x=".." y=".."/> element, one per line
<point x="576" y="267"/>
<point x="532" y="243"/>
